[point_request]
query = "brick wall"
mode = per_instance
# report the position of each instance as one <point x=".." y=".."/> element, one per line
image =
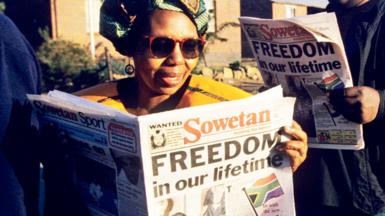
<point x="223" y="53"/>
<point x="69" y="23"/>
<point x="280" y="10"/>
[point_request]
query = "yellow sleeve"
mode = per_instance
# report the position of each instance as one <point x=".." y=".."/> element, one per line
<point x="203" y="90"/>
<point x="105" y="93"/>
<point x="200" y="91"/>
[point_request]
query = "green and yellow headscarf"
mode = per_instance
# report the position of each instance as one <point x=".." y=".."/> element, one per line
<point x="117" y="17"/>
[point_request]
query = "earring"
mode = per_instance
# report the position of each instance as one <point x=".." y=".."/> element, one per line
<point x="129" y="69"/>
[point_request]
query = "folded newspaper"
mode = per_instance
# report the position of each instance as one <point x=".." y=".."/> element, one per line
<point x="211" y="160"/>
<point x="306" y="56"/>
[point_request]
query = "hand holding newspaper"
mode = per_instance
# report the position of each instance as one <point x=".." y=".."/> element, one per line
<point x="208" y="160"/>
<point x="306" y="56"/>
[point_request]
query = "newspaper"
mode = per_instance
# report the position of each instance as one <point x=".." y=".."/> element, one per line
<point x="211" y="160"/>
<point x="307" y="57"/>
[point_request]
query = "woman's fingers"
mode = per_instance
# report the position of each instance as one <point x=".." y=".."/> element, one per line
<point x="296" y="148"/>
<point x="296" y="132"/>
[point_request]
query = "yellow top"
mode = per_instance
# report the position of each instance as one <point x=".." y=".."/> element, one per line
<point x="200" y="91"/>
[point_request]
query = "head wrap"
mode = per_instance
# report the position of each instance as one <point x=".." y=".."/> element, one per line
<point x="117" y="17"/>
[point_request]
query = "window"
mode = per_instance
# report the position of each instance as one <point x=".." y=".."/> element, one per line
<point x="289" y="11"/>
<point x="92" y="8"/>
<point x="210" y="5"/>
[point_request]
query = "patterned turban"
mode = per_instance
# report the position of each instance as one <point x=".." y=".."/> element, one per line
<point x="117" y="17"/>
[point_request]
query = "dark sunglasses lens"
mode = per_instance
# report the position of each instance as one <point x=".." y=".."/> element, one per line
<point x="191" y="48"/>
<point x="162" y="47"/>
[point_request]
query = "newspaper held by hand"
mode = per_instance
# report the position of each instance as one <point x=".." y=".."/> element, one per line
<point x="306" y="56"/>
<point x="211" y="160"/>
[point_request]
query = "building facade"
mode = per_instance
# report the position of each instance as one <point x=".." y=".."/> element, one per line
<point x="289" y="8"/>
<point x="78" y="21"/>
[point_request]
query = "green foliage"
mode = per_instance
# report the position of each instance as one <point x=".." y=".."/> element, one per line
<point x="67" y="66"/>
<point x="90" y="77"/>
<point x="2" y="7"/>
<point x="44" y="33"/>
<point x="117" y="66"/>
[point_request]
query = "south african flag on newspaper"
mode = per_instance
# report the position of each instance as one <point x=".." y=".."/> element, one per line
<point x="264" y="189"/>
<point x="331" y="81"/>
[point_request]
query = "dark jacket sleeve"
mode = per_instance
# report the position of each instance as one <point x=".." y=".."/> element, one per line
<point x="11" y="195"/>
<point x="19" y="75"/>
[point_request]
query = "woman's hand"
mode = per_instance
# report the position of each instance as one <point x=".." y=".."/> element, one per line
<point x="296" y="148"/>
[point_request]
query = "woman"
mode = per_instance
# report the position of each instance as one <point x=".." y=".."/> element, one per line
<point x="165" y="39"/>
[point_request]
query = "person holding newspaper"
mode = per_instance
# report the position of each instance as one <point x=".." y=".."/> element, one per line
<point x="165" y="38"/>
<point x="334" y="182"/>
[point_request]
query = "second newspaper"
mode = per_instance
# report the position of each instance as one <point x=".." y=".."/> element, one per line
<point x="307" y="57"/>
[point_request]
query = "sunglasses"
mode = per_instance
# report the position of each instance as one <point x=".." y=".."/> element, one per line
<point x="162" y="47"/>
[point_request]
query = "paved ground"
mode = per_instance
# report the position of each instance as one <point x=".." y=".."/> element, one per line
<point x="247" y="85"/>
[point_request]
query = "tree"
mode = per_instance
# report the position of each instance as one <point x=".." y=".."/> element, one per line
<point x="2" y="7"/>
<point x="63" y="62"/>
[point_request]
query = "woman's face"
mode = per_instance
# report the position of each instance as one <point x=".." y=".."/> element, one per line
<point x="164" y="76"/>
